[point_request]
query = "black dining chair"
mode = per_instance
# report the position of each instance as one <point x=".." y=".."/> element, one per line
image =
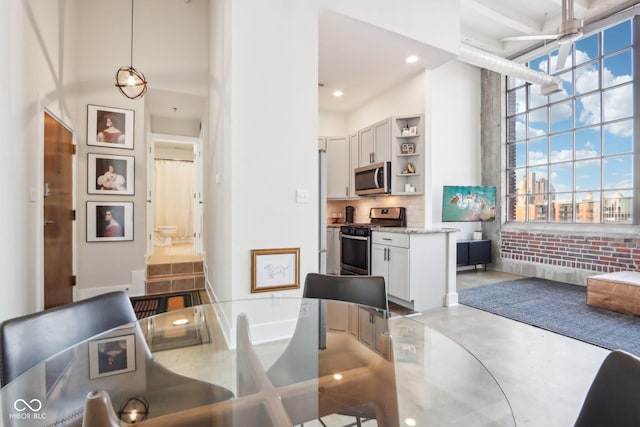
<point x="364" y="290"/>
<point x="614" y="396"/>
<point x="29" y="340"/>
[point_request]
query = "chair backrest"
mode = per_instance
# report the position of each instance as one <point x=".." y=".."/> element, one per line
<point x="28" y="340"/>
<point x="614" y="396"/>
<point x="365" y="290"/>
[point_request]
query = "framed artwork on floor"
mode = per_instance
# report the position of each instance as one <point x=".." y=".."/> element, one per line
<point x="109" y="174"/>
<point x="111" y="356"/>
<point x="110" y="127"/>
<point x="275" y="269"/>
<point x="109" y="221"/>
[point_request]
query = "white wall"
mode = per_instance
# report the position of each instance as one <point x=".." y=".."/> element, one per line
<point x="453" y="135"/>
<point x="408" y="97"/>
<point x="268" y="137"/>
<point x="433" y="22"/>
<point x="14" y="244"/>
<point x="332" y="123"/>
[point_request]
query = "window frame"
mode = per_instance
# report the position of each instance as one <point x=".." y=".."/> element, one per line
<point x="513" y="170"/>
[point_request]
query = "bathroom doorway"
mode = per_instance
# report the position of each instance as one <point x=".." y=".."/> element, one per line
<point x="174" y="214"/>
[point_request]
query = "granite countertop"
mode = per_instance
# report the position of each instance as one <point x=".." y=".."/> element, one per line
<point x="412" y="230"/>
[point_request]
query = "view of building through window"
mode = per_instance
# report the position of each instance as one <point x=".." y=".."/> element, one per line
<point x="570" y="155"/>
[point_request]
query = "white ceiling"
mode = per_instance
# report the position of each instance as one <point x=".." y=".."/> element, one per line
<point x="361" y="60"/>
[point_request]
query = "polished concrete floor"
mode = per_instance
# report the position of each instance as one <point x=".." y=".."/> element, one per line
<point x="545" y="376"/>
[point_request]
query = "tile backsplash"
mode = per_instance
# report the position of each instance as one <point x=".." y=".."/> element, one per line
<point x="414" y="208"/>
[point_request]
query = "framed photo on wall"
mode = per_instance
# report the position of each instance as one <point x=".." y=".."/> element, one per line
<point x="109" y="174"/>
<point x="275" y="269"/>
<point x="111" y="356"/>
<point x="109" y="221"/>
<point x="110" y="127"/>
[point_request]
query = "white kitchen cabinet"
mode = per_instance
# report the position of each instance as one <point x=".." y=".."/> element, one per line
<point x="375" y="143"/>
<point x="354" y="147"/>
<point x="337" y="167"/>
<point x="414" y="265"/>
<point x="390" y="259"/>
<point x="333" y="250"/>
<point x="369" y="326"/>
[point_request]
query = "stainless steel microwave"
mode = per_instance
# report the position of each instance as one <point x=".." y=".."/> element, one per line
<point x="373" y="179"/>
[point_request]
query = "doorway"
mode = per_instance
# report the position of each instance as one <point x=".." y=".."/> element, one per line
<point x="175" y="201"/>
<point x="58" y="213"/>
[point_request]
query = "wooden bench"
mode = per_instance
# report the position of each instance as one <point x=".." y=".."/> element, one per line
<point x="618" y="291"/>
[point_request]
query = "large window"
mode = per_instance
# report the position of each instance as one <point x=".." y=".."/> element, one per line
<point x="570" y="155"/>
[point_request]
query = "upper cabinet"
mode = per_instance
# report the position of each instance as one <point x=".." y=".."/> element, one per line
<point x="338" y="167"/>
<point x="354" y="149"/>
<point x="408" y="155"/>
<point x="398" y="139"/>
<point x="375" y="143"/>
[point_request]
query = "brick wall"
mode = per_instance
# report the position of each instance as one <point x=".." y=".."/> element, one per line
<point x="593" y="253"/>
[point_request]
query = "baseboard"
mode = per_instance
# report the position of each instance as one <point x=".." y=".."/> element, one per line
<point x="84" y="293"/>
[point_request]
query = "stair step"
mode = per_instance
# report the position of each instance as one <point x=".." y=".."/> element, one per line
<point x="174" y="283"/>
<point x="174" y="269"/>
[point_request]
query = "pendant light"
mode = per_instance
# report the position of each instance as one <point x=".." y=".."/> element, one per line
<point x="129" y="81"/>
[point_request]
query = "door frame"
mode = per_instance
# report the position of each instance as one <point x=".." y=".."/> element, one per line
<point x="36" y="195"/>
<point x="198" y="204"/>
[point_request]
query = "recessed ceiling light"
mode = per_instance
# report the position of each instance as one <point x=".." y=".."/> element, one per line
<point x="337" y="93"/>
<point x="180" y="322"/>
<point x="411" y="59"/>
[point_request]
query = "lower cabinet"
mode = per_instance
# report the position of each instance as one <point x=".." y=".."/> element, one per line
<point x="333" y="250"/>
<point x="414" y="266"/>
<point x="367" y="325"/>
<point x="390" y="259"/>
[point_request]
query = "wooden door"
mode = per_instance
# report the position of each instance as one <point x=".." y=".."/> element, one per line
<point x="58" y="213"/>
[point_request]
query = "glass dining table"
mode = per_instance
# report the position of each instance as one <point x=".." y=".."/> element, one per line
<point x="261" y="362"/>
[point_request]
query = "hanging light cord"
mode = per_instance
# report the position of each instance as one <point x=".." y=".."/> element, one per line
<point x="131" y="34"/>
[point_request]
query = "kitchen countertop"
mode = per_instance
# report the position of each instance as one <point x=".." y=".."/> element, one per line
<point x="412" y="230"/>
<point x="405" y="230"/>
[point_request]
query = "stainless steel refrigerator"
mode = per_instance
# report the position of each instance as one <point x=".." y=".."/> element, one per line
<point x="322" y="207"/>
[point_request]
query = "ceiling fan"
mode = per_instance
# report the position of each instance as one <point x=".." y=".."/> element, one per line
<point x="569" y="31"/>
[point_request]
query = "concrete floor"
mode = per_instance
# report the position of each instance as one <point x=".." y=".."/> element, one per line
<point x="545" y="376"/>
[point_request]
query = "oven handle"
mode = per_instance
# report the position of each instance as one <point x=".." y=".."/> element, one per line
<point x="346" y="236"/>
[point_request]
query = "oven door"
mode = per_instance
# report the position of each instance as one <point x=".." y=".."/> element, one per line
<point x="354" y="255"/>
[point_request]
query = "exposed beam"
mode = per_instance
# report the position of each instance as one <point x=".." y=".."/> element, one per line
<point x="507" y="17"/>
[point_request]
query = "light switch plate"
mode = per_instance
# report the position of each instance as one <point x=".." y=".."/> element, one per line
<point x="302" y="196"/>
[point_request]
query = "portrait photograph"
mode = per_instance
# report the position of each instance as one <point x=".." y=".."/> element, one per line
<point x="109" y="221"/>
<point x="109" y="174"/>
<point x="110" y="127"/>
<point x="111" y="356"/>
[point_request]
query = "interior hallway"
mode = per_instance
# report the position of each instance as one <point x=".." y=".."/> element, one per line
<point x="544" y="375"/>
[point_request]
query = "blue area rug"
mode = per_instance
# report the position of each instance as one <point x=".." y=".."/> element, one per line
<point x="557" y="307"/>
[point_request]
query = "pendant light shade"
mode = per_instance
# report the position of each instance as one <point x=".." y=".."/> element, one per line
<point x="130" y="81"/>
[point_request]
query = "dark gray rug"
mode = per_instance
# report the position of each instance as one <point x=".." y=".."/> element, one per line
<point x="557" y="307"/>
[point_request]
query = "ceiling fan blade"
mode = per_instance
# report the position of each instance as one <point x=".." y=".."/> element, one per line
<point x="530" y="37"/>
<point x="563" y="53"/>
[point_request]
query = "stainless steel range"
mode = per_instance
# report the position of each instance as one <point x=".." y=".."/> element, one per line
<point x="355" y="239"/>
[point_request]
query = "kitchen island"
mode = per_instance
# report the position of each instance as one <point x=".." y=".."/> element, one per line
<point x="418" y="264"/>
